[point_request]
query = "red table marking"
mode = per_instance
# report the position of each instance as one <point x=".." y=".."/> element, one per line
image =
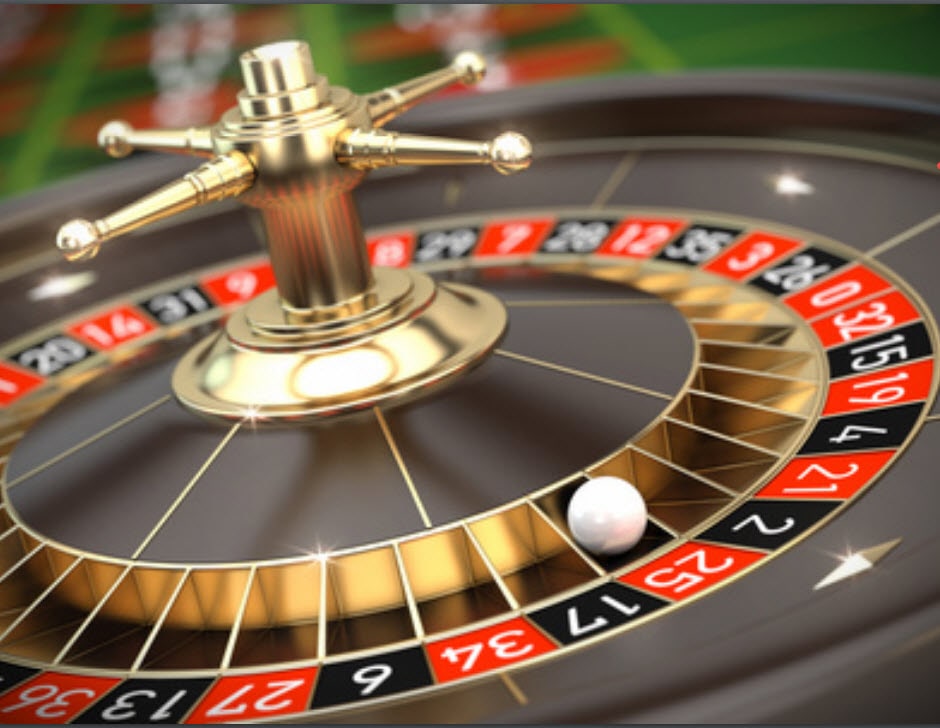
<point x="83" y="128"/>
<point x="42" y="47"/>
<point x="19" y="99"/>
<point x="561" y="60"/>
<point x="389" y="41"/>
<point x="545" y="63"/>
<point x="251" y="27"/>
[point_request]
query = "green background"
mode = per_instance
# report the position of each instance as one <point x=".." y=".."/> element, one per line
<point x="69" y="78"/>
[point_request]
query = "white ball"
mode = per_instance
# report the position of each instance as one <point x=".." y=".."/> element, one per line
<point x="607" y="515"/>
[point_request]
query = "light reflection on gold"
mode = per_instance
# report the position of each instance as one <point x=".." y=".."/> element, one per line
<point x="321" y="370"/>
<point x="343" y="373"/>
<point x="324" y="603"/>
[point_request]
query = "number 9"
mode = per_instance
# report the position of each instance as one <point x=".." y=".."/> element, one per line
<point x="372" y="676"/>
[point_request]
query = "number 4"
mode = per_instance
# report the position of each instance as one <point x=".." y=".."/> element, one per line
<point x="850" y="433"/>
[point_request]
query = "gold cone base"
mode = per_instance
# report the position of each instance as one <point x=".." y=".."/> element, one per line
<point x="413" y="337"/>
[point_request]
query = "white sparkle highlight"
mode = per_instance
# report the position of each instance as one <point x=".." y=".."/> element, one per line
<point x="791" y="185"/>
<point x="852" y="565"/>
<point x="251" y="414"/>
<point x="62" y="285"/>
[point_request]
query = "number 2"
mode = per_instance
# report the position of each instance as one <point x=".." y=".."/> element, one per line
<point x="762" y="526"/>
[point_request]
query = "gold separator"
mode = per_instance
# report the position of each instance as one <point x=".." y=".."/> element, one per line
<point x="337" y="335"/>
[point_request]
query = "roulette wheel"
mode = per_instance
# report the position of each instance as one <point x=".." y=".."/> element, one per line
<point x="235" y="491"/>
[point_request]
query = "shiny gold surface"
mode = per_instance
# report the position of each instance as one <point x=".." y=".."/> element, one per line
<point x="715" y="442"/>
<point x="243" y="372"/>
<point x="306" y="142"/>
<point x="687" y="496"/>
<point x="385" y="105"/>
<point x="507" y="154"/>
<point x="294" y="148"/>
<point x="118" y="139"/>
<point x="530" y="557"/>
<point x="221" y="177"/>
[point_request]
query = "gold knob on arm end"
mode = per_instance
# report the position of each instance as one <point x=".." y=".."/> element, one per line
<point x="510" y="153"/>
<point x="224" y="176"/>
<point x="369" y="149"/>
<point x="114" y="137"/>
<point x="468" y="67"/>
<point x="335" y="336"/>
<point x="79" y="240"/>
